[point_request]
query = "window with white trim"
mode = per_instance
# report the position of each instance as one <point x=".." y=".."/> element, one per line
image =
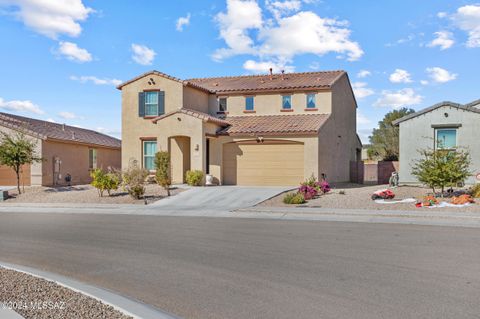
<point x="92" y="158"/>
<point x="149" y="150"/>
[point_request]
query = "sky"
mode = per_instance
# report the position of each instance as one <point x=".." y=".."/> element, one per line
<point x="60" y="60"/>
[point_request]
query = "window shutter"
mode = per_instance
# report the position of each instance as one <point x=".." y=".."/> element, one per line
<point x="141" y="104"/>
<point x="161" y="102"/>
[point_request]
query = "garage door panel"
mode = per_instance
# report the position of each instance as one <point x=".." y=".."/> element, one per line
<point x="263" y="164"/>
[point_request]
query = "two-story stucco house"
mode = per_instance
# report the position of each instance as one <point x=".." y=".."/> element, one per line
<point x="275" y="129"/>
<point x="443" y="125"/>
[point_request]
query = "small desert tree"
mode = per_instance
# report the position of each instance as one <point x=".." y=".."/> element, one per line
<point x="162" y="164"/>
<point x="442" y="168"/>
<point x="16" y="150"/>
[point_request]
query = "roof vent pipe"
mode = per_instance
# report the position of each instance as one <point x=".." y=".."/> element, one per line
<point x="283" y="75"/>
<point x="271" y="73"/>
<point x="73" y="135"/>
<point x="63" y="127"/>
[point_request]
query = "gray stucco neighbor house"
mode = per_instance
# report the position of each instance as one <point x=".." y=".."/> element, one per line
<point x="446" y="125"/>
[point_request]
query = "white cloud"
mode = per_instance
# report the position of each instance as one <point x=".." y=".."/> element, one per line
<point x="51" y="17"/>
<point x="440" y="75"/>
<point x="306" y="32"/>
<point x="467" y="18"/>
<point x="95" y="80"/>
<point x="74" y="53"/>
<point x="281" y="8"/>
<point x="424" y="82"/>
<point x="183" y="22"/>
<point x="400" y="76"/>
<point x="362" y="119"/>
<point x="264" y="67"/>
<point x="241" y="16"/>
<point x="314" y="66"/>
<point x="69" y="115"/>
<point x="20" y="106"/>
<point x="51" y="120"/>
<point x="363" y="73"/>
<point x="361" y="90"/>
<point x="444" y="40"/>
<point x="284" y="37"/>
<point x="399" y="99"/>
<point x="442" y="15"/>
<point x="142" y="54"/>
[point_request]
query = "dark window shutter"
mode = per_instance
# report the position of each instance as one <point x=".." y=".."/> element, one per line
<point x="141" y="104"/>
<point x="161" y="102"/>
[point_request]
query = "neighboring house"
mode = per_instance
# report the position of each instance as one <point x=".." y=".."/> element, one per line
<point x="446" y="125"/>
<point x="64" y="149"/>
<point x="275" y="129"/>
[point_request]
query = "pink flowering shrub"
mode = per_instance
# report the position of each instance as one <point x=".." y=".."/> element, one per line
<point x="307" y="191"/>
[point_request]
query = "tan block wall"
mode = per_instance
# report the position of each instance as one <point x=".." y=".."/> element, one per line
<point x="135" y="127"/>
<point x="271" y="104"/>
<point x="74" y="159"/>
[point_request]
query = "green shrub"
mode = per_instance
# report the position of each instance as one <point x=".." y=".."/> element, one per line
<point x="134" y="180"/>
<point x="475" y="190"/>
<point x="105" y="181"/>
<point x="194" y="178"/>
<point x="162" y="175"/>
<point x="294" y="198"/>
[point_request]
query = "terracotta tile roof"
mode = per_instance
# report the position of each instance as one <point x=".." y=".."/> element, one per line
<point x="47" y="130"/>
<point x="275" y="124"/>
<point x="200" y="115"/>
<point x="307" y="80"/>
<point x="252" y="83"/>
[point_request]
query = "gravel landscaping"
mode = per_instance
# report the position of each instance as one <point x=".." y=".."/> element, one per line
<point x="85" y="194"/>
<point x="36" y="298"/>
<point x="359" y="197"/>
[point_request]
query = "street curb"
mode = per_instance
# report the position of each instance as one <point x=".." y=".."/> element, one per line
<point x="127" y="306"/>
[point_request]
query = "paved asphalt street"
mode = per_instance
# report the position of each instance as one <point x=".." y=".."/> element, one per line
<point x="252" y="268"/>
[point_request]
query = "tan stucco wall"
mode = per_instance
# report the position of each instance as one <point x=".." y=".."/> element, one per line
<point x="135" y="127"/>
<point x="35" y="168"/>
<point x="195" y="99"/>
<point x="271" y="104"/>
<point x="74" y="161"/>
<point x="338" y="141"/>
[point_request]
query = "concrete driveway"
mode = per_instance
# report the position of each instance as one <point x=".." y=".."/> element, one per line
<point x="218" y="198"/>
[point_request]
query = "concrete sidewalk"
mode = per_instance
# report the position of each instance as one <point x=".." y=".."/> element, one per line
<point x="9" y="314"/>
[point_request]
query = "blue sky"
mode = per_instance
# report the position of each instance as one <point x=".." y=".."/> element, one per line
<point x="61" y="60"/>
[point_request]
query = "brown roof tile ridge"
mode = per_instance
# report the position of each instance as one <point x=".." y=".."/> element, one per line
<point x="264" y="75"/>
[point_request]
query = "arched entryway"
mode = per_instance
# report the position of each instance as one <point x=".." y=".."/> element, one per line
<point x="179" y="148"/>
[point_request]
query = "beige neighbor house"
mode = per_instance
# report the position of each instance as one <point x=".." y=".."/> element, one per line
<point x="66" y="150"/>
<point x="275" y="129"/>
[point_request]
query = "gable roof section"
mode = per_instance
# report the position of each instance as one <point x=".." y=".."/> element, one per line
<point x="47" y="130"/>
<point x="252" y="83"/>
<point x="467" y="107"/>
<point x="200" y="115"/>
<point x="301" y="124"/>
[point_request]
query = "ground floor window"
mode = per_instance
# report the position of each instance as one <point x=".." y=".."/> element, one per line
<point x="92" y="158"/>
<point x="446" y="138"/>
<point x="149" y="150"/>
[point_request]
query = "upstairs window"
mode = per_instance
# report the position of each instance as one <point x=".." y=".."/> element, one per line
<point x="151" y="103"/>
<point x="446" y="138"/>
<point x="149" y="150"/>
<point x="92" y="158"/>
<point x="222" y="104"/>
<point x="311" y="101"/>
<point x="286" y="102"/>
<point x="249" y="105"/>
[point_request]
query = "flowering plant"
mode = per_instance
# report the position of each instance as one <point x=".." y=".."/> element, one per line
<point x="307" y="191"/>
